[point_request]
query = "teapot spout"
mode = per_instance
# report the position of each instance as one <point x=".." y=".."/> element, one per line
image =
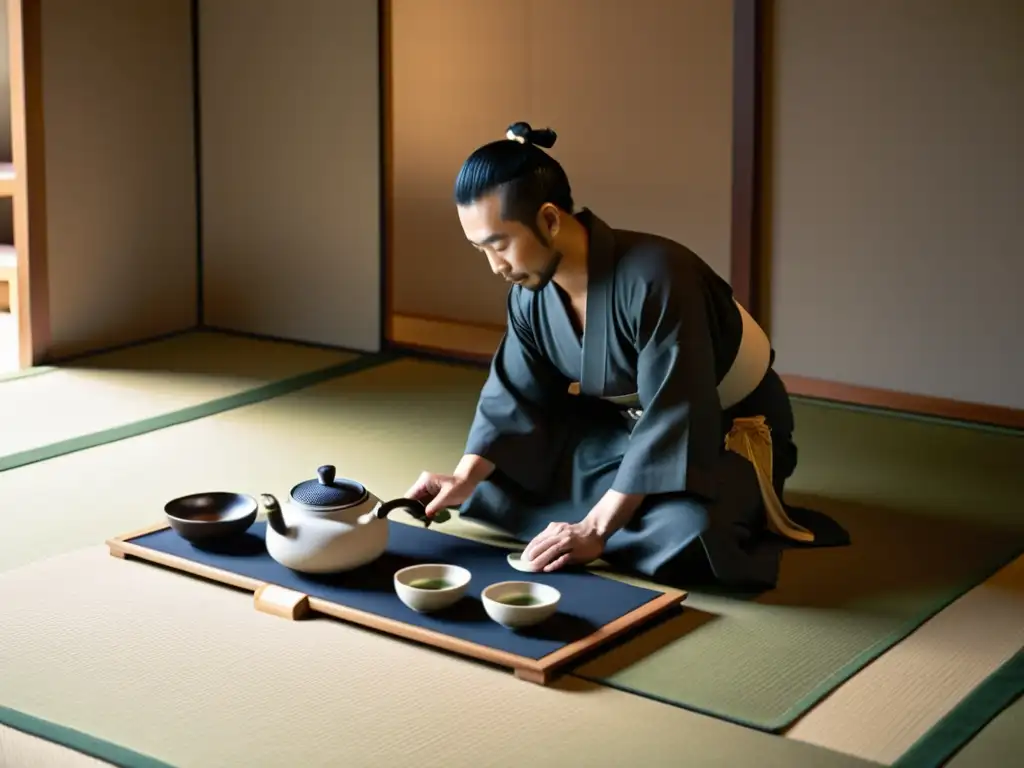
<point x="275" y="518"/>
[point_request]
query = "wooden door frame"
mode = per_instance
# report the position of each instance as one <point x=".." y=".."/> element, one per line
<point x="24" y="37"/>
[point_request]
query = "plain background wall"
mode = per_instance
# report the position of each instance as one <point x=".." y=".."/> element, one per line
<point x="291" y="168"/>
<point x="893" y="184"/>
<point x="639" y="92"/>
<point x="896" y="195"/>
<point x="121" y="223"/>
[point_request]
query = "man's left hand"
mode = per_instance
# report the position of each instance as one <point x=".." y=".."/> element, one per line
<point x="562" y="544"/>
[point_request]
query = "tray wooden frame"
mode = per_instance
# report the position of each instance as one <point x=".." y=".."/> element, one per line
<point x="290" y="604"/>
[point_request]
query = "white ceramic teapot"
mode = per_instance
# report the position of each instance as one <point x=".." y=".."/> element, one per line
<point x="330" y="524"/>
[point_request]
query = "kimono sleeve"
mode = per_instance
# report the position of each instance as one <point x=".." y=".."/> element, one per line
<point x="675" y="444"/>
<point x="514" y="426"/>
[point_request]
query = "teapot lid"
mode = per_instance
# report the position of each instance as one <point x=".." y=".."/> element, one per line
<point x="328" y="491"/>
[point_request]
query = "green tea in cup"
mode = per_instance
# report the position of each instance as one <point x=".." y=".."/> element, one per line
<point x="519" y="599"/>
<point x="429" y="584"/>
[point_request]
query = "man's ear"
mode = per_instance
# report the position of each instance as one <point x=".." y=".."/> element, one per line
<point x="549" y="219"/>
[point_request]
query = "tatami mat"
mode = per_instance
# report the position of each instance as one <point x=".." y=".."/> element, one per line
<point x="191" y="674"/>
<point x="891" y="704"/>
<point x="765" y="662"/>
<point x="916" y="465"/>
<point x="141" y="383"/>
<point x="382" y="426"/>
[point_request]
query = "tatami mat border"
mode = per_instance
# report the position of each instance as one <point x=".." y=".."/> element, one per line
<point x="78" y="741"/>
<point x="968" y="718"/>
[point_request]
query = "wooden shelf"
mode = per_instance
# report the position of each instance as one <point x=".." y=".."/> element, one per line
<point x="7" y="178"/>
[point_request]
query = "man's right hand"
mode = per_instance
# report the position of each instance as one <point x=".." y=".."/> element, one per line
<point x="440" y="491"/>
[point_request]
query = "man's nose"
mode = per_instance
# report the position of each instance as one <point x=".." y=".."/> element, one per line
<point x="498" y="267"/>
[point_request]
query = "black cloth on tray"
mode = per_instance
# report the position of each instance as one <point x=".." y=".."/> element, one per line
<point x="589" y="601"/>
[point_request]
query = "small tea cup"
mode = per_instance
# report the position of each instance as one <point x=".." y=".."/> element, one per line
<point x="431" y="587"/>
<point x="516" y="604"/>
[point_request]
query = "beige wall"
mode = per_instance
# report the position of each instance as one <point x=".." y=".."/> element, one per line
<point x="290" y="168"/>
<point x="894" y="189"/>
<point x="640" y="93"/>
<point x="896" y="194"/>
<point x="121" y="222"/>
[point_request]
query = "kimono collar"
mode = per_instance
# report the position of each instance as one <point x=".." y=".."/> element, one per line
<point x="601" y="245"/>
<point x="600" y="273"/>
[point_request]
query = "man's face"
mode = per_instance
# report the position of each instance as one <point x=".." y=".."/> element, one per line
<point x="513" y="249"/>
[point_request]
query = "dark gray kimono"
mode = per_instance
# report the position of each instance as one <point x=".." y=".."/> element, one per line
<point x="660" y="325"/>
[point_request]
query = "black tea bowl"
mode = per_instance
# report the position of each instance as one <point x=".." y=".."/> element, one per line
<point x="209" y="517"/>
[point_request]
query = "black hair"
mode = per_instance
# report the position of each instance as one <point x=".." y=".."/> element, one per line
<point x="527" y="176"/>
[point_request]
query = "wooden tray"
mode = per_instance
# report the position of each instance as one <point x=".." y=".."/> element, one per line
<point x="288" y="603"/>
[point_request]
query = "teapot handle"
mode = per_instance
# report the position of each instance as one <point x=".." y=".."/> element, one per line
<point x="416" y="508"/>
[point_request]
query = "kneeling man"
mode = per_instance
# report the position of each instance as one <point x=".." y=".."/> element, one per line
<point x="631" y="413"/>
